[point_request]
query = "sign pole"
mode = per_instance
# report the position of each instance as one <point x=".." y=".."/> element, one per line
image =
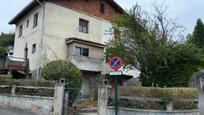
<point x="116" y="95"/>
<point x="115" y="63"/>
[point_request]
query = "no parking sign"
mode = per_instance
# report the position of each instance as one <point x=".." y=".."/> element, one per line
<point x="115" y="63"/>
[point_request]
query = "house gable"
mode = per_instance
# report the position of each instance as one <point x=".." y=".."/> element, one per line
<point x="92" y="7"/>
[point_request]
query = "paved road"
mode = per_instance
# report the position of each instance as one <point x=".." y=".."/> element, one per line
<point x="201" y="103"/>
<point x="6" y="111"/>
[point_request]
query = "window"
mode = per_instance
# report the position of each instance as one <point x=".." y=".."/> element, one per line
<point x="35" y="20"/>
<point x="83" y="26"/>
<point x="20" y="31"/>
<point x="102" y="7"/>
<point x="117" y="33"/>
<point x="27" y="23"/>
<point x="82" y="51"/>
<point x="33" y="48"/>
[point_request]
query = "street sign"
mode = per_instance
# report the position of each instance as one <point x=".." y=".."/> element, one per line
<point x="115" y="73"/>
<point x="115" y="63"/>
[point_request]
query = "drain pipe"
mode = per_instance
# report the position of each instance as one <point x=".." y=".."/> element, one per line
<point x="39" y="53"/>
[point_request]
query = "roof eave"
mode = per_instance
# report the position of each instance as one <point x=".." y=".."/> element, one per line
<point x="24" y="11"/>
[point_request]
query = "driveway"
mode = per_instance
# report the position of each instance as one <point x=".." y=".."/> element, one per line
<point x="6" y="111"/>
<point x="201" y="103"/>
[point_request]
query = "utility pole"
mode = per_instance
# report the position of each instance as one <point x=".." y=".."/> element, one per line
<point x="39" y="53"/>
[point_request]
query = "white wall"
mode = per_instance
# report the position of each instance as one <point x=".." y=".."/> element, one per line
<point x="38" y="105"/>
<point x="62" y="23"/>
<point x="30" y="36"/>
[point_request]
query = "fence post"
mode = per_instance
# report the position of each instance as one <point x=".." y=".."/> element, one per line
<point x="58" y="99"/>
<point x="102" y="99"/>
<point x="169" y="107"/>
<point x="13" y="90"/>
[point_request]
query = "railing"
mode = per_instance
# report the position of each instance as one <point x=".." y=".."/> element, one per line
<point x="16" y="63"/>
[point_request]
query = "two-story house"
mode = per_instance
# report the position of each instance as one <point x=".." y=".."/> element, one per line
<point x="74" y="30"/>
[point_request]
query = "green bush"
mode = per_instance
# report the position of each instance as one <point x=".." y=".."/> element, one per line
<point x="64" y="69"/>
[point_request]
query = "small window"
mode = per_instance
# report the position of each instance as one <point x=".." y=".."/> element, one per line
<point x="35" y="20"/>
<point x="117" y="33"/>
<point x="83" y="26"/>
<point x="82" y="51"/>
<point x="102" y="7"/>
<point x="27" y="23"/>
<point x="20" y="31"/>
<point x="33" y="48"/>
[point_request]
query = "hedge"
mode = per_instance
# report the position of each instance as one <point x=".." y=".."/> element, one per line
<point x="37" y="91"/>
<point x="166" y="95"/>
<point x="154" y="92"/>
<point x="33" y="83"/>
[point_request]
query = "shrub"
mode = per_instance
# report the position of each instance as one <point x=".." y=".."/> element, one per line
<point x="64" y="69"/>
<point x="48" y="92"/>
<point x="177" y="96"/>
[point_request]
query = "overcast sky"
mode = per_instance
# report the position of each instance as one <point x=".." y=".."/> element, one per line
<point x="186" y="12"/>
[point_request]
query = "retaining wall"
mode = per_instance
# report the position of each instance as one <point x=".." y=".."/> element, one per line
<point x="35" y="104"/>
<point x="128" y="111"/>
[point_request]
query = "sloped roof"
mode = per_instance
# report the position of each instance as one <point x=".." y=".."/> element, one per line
<point x="34" y="3"/>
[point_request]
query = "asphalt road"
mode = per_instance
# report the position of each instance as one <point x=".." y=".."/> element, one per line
<point x="201" y="103"/>
<point x="6" y="111"/>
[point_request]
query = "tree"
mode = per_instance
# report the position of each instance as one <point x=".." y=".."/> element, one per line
<point x="6" y="39"/>
<point x="198" y="34"/>
<point x="150" y="42"/>
<point x="64" y="69"/>
<point x="3" y="52"/>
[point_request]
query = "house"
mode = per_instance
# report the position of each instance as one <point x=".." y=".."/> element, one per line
<point x="74" y="30"/>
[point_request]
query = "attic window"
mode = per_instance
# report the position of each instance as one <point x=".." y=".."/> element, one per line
<point x="102" y="7"/>
<point x="35" y="20"/>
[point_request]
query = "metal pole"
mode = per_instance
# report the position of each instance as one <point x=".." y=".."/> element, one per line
<point x="116" y="95"/>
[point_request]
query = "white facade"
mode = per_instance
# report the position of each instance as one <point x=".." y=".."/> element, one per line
<point x="30" y="36"/>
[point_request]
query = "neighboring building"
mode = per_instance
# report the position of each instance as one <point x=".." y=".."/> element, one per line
<point x="74" y="30"/>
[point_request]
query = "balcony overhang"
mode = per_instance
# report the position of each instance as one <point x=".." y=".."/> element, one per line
<point x="82" y="41"/>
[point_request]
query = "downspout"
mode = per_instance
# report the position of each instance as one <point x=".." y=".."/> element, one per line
<point x="39" y="55"/>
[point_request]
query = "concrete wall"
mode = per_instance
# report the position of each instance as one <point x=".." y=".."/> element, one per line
<point x="127" y="111"/>
<point x="62" y="23"/>
<point x="38" y="105"/>
<point x="104" y="109"/>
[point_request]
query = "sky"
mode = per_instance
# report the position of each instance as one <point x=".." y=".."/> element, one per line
<point x="184" y="12"/>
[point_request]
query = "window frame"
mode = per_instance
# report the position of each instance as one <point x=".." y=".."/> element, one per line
<point x="35" y="20"/>
<point x="102" y="7"/>
<point x="27" y="23"/>
<point x="82" y="51"/>
<point x="20" y="31"/>
<point x="83" y="26"/>
<point x="33" y="48"/>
